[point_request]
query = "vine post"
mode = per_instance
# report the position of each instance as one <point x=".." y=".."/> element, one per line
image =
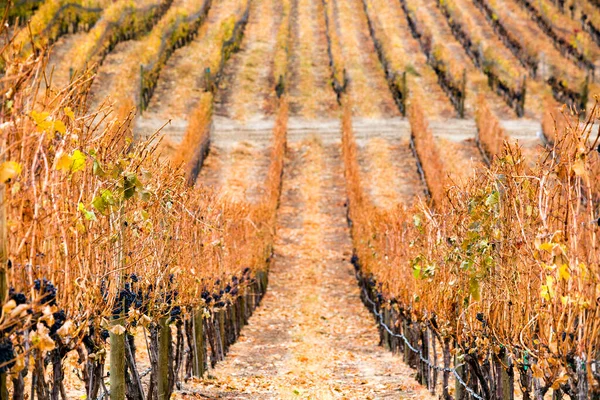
<point x="459" y="390"/>
<point x="521" y="106"/>
<point x="3" y="277"/>
<point x="117" y="334"/>
<point x="404" y="93"/>
<point x="164" y="364"/>
<point x="461" y="107"/>
<point x="141" y="88"/>
<point x="199" y="345"/>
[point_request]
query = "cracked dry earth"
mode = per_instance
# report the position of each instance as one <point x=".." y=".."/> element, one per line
<point x="311" y="337"/>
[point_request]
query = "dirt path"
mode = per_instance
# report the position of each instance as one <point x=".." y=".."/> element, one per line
<point x="236" y="173"/>
<point x="106" y="79"/>
<point x="389" y="170"/>
<point x="388" y="15"/>
<point x="247" y="87"/>
<point x="311" y="337"/>
<point x="311" y="94"/>
<point x="59" y="62"/>
<point x="369" y="91"/>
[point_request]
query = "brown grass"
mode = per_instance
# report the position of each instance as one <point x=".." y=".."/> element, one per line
<point x="192" y="149"/>
<point x="427" y="152"/>
<point x="490" y="134"/>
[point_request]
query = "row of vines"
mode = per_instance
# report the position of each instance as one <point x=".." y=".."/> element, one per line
<point x="495" y="285"/>
<point x="121" y="278"/>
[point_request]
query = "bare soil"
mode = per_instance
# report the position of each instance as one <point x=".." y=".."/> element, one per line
<point x="248" y="86"/>
<point x="311" y="94"/>
<point x="311" y="337"/>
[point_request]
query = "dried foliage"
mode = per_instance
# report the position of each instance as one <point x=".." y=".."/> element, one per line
<point x="509" y="263"/>
<point x="490" y="134"/>
<point x="430" y="160"/>
<point x="100" y="227"/>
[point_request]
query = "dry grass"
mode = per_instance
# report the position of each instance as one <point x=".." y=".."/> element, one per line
<point x="490" y="134"/>
<point x="310" y="87"/>
<point x="553" y="119"/>
<point x="404" y="55"/>
<point x="251" y="92"/>
<point x="432" y="163"/>
<point x="535" y="43"/>
<point x="384" y="177"/>
<point x="192" y="149"/>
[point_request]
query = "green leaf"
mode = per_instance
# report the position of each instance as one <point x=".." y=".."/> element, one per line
<point x="97" y="170"/>
<point x="417" y="271"/>
<point x="492" y="199"/>
<point x="89" y="215"/>
<point x="99" y="204"/>
<point x="130" y="184"/>
<point x="108" y="197"/>
<point x="103" y="202"/>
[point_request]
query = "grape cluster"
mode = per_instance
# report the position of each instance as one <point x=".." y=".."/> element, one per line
<point x="175" y="314"/>
<point x="60" y="317"/>
<point x="88" y="340"/>
<point x="124" y="301"/>
<point x="7" y="355"/>
<point x="19" y="298"/>
<point x="47" y="291"/>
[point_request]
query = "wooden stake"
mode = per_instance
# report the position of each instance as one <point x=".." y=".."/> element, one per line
<point x="164" y="364"/>
<point x="221" y="319"/>
<point x="3" y="273"/>
<point x="198" y="366"/>
<point x="117" y="341"/>
<point x="117" y="363"/>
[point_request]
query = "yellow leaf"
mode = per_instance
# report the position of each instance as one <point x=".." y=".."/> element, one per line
<point x="559" y="381"/>
<point x="544" y="292"/>
<point x="9" y="170"/>
<point x="145" y="320"/>
<point x="41" y="339"/>
<point x="73" y="163"/>
<point x="60" y="127"/>
<point x="66" y="330"/>
<point x="44" y="123"/>
<point x="547" y="246"/>
<point x="563" y="272"/>
<point x="63" y="162"/>
<point x="19" y="364"/>
<point x="19" y="311"/>
<point x="69" y="113"/>
<point x="78" y="161"/>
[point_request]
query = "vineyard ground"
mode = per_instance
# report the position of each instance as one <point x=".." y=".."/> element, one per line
<point x="311" y="337"/>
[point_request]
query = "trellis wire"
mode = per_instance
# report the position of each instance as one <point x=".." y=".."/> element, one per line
<point x="419" y="352"/>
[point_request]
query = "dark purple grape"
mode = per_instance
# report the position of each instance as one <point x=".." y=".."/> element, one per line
<point x="7" y="355"/>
